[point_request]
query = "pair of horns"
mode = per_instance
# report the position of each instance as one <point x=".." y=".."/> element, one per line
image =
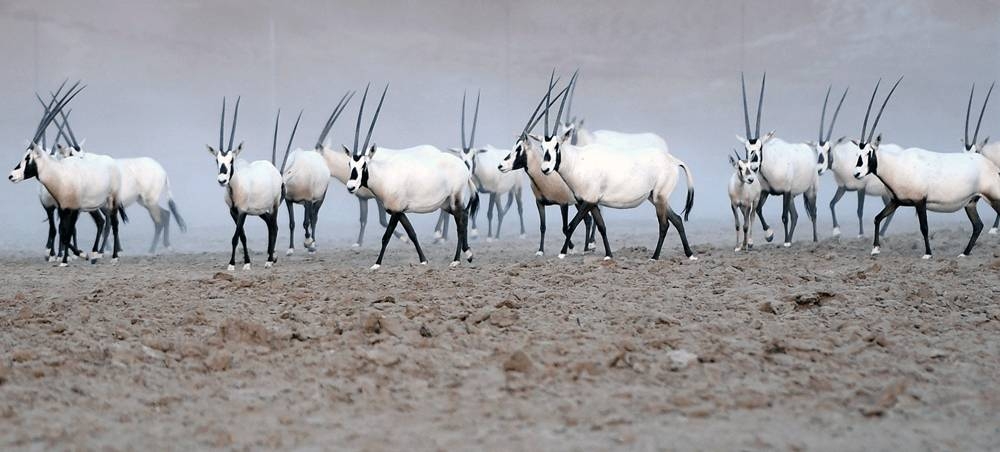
<point x="562" y="104"/>
<point x="371" y="127"/>
<point x="222" y="125"/>
<point x="968" y="109"/>
<point x="55" y="107"/>
<point x="274" y="142"/>
<point x="546" y="100"/>
<point x="746" y="109"/>
<point x="341" y="105"/>
<point x="822" y="118"/>
<point x="59" y="125"/>
<point x="864" y="127"/>
<point x="475" y="120"/>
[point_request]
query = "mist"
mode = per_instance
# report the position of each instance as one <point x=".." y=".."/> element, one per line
<point x="157" y="71"/>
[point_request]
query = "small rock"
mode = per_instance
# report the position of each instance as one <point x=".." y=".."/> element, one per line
<point x="25" y="313"/>
<point x="155" y="343"/>
<point x="218" y="361"/>
<point x="503" y="317"/>
<point x="480" y="315"/>
<point x="221" y="276"/>
<point x="370" y="323"/>
<point x="120" y="334"/>
<point x="21" y="356"/>
<point x="886" y="400"/>
<point x="680" y="359"/>
<point x="391" y="325"/>
<point x="518" y="362"/>
<point x="767" y="307"/>
<point x="425" y="332"/>
<point x="84" y="314"/>
<point x="58" y="328"/>
<point x="382" y="357"/>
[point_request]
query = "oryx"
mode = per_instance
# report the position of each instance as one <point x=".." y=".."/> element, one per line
<point x="744" y="193"/>
<point x="927" y="180"/>
<point x="421" y="179"/>
<point x="989" y="150"/>
<point x="252" y="188"/>
<point x="786" y="169"/>
<point x="306" y="178"/>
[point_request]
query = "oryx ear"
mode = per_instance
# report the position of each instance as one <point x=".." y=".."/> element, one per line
<point x="455" y="151"/>
<point x="236" y="152"/>
<point x="841" y="139"/>
<point x="346" y="151"/>
<point x="741" y="140"/>
<point x="767" y="138"/>
<point x="856" y="143"/>
<point x="811" y="143"/>
<point x="567" y="134"/>
<point x="35" y="150"/>
<point x="985" y="140"/>
<point x="480" y="151"/>
<point x="64" y="151"/>
<point x="371" y="151"/>
<point x="878" y="140"/>
<point x="732" y="161"/>
<point x="535" y="137"/>
<point x="211" y="150"/>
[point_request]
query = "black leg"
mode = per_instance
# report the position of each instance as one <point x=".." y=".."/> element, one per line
<point x="50" y="241"/>
<point x="155" y="214"/>
<point x="678" y="223"/>
<point x="306" y="222"/>
<point x="381" y="217"/>
<point x="107" y="227"/>
<point x="768" y="233"/>
<point x="541" y="227"/>
<point x="885" y="227"/>
<point x="502" y="213"/>
<point x="114" y="232"/>
<point x="810" y="202"/>
<point x="66" y="230"/>
<point x="489" y="214"/>
<point x="996" y="224"/>
<point x="886" y="211"/>
<point x="291" y="226"/>
<point x="588" y="230"/>
<point x="271" y="220"/>
<point x="661" y="220"/>
<point x="390" y="228"/>
<point x="313" y="219"/>
<point x="582" y="210"/>
<point x="595" y="212"/>
<point x="165" y="215"/>
<point x="861" y="212"/>
<point x="977" y="226"/>
<point x="661" y="217"/>
<point x="236" y="236"/>
<point x="564" y="210"/>
<point x="413" y="236"/>
<point x="833" y="208"/>
<point x="99" y="221"/>
<point x="786" y="206"/>
<point x="242" y="219"/>
<point x="924" y="230"/>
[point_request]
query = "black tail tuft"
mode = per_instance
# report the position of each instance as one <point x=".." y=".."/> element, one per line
<point x="177" y="216"/>
<point x="689" y="203"/>
<point x="474" y="204"/>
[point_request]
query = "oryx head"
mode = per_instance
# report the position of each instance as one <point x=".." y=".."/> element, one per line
<point x="822" y="146"/>
<point x="974" y="145"/>
<point x="361" y="156"/>
<point x="553" y="141"/>
<point x="26" y="167"/>
<point x="868" y="158"/>
<point x="226" y="159"/>
<point x="518" y="156"/>
<point x="468" y="151"/>
<point x="744" y="171"/>
<point x="752" y="142"/>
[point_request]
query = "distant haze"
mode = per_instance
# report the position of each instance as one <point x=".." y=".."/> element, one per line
<point x="157" y="71"/>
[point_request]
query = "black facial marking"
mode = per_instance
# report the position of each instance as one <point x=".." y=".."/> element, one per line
<point x="860" y="162"/>
<point x="223" y="169"/>
<point x="364" y="176"/>
<point x="520" y="159"/>
<point x="558" y="158"/>
<point x="872" y="163"/>
<point x="354" y="173"/>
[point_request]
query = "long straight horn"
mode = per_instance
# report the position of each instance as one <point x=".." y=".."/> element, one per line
<point x="475" y="121"/>
<point x="822" y="117"/>
<point x="48" y="118"/>
<point x="836" y="112"/>
<point x="72" y="137"/>
<point x="291" y="137"/>
<point x="50" y="109"/>
<point x="463" y="121"/>
<point x="547" y="97"/>
<point x="975" y="136"/>
<point x="864" y="125"/>
<point x="59" y="130"/>
<point x="746" y="110"/>
<point x="760" y="104"/>
<point x="880" y="110"/>
<point x="535" y="117"/>
<point x="371" y="127"/>
<point x="222" y="126"/>
<point x="559" y="117"/>
<point x="361" y="111"/>
<point x="274" y="141"/>
<point x="333" y="117"/>
<point x="550" y="101"/>
<point x="968" y="111"/>
<point x="572" y="93"/>
<point x="232" y="131"/>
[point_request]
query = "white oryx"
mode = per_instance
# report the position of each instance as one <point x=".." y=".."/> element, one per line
<point x="744" y="192"/>
<point x="306" y="178"/>
<point x="143" y="180"/>
<point x="548" y="189"/>
<point x="597" y="174"/>
<point x="488" y="178"/>
<point x="928" y="180"/>
<point x="989" y="150"/>
<point x="421" y="179"/>
<point x="786" y="169"/>
<point x="841" y="163"/>
<point x="76" y="184"/>
<point x="992" y="152"/>
<point x="252" y="188"/>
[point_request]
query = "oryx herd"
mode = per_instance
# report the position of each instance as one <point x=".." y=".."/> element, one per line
<point x="566" y="165"/>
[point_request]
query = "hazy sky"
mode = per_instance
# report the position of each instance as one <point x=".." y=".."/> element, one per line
<point x="156" y="72"/>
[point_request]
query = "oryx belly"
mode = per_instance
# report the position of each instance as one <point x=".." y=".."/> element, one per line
<point x="947" y="182"/>
<point x="142" y="178"/>
<point x="490" y="178"/>
<point x="45" y="197"/>
<point x="788" y="167"/>
<point x="255" y="188"/>
<point x="306" y="176"/>
<point x="421" y="179"/>
<point x="625" y="141"/>
<point x="617" y="178"/>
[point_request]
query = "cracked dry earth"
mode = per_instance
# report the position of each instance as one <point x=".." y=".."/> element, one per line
<point x="816" y="347"/>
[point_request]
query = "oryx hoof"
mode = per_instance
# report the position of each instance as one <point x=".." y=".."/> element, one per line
<point x="836" y="232"/>
<point x="268" y="264"/>
<point x="860" y="236"/>
<point x="423" y="262"/>
<point x="63" y="264"/>
<point x="96" y="256"/>
<point x="539" y="253"/>
<point x="290" y="252"/>
<point x="114" y="261"/>
<point x="692" y="257"/>
<point x="437" y="235"/>
<point x="787" y="244"/>
<point x="738" y="249"/>
<point x="374" y="267"/>
<point x="489" y="239"/>
<point x="231" y="267"/>
<point x="769" y="234"/>
<point x="246" y="266"/>
<point x="356" y="245"/>
<point x="312" y="250"/>
<point x="992" y="231"/>
<point x="876" y="250"/>
<point x="607" y="258"/>
<point x="750" y="245"/>
<point x="453" y="264"/>
<point x="468" y="255"/>
<point x="925" y="257"/>
<point x="52" y="259"/>
<point x="308" y="242"/>
<point x="961" y="255"/>
<point x="562" y="256"/>
<point x="523" y="236"/>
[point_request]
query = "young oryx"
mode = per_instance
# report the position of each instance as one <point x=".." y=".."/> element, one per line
<point x="306" y="178"/>
<point x="488" y="179"/>
<point x="928" y="180"/>
<point x="786" y="169"/>
<point x="989" y="150"/>
<point x="76" y="184"/>
<point x="548" y="189"/>
<point x="744" y="192"/>
<point x="598" y="174"/>
<point x="143" y="180"/>
<point x="421" y="179"/>
<point x="251" y="189"/>
<point x="339" y="165"/>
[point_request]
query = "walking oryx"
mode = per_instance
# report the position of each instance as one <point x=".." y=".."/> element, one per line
<point x="306" y="179"/>
<point x="786" y="169"/>
<point x="744" y="192"/>
<point x="928" y="180"/>
<point x="251" y="189"/>
<point x="76" y="184"/>
<point x="989" y="150"/>
<point x="548" y="189"/>
<point x="488" y="179"/>
<point x="421" y="179"/>
<point x="143" y="180"/>
<point x="598" y="174"/>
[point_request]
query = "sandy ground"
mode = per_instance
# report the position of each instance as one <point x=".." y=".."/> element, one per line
<point x="819" y="347"/>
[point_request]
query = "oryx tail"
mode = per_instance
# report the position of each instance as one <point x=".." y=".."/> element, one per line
<point x="689" y="202"/>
